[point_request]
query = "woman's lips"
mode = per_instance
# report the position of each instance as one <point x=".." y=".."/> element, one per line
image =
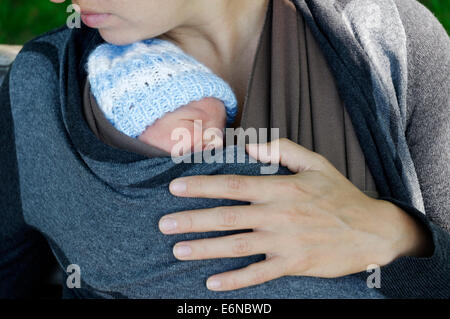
<point x="94" y="20"/>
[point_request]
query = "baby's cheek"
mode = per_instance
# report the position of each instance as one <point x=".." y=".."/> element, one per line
<point x="158" y="136"/>
<point x="184" y="138"/>
<point x="175" y="137"/>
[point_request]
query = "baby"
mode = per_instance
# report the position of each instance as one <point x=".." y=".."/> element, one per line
<point x="153" y="91"/>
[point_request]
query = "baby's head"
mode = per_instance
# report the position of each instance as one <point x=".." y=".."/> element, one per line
<point x="153" y="91"/>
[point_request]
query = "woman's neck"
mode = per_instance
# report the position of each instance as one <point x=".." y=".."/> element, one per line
<point x="222" y="33"/>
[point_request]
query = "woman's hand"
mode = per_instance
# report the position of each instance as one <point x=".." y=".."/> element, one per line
<point x="314" y="223"/>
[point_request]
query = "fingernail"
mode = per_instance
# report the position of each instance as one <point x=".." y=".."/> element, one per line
<point x="213" y="284"/>
<point x="178" y="187"/>
<point x="168" y="224"/>
<point x="182" y="251"/>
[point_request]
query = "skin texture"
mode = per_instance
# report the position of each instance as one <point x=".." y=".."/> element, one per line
<point x="200" y="125"/>
<point x="313" y="223"/>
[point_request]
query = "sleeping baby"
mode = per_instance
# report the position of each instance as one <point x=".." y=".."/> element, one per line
<point x="153" y="91"/>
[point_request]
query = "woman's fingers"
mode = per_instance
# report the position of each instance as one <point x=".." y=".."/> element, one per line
<point x="255" y="189"/>
<point x="216" y="219"/>
<point x="287" y="153"/>
<point x="251" y="275"/>
<point x="237" y="245"/>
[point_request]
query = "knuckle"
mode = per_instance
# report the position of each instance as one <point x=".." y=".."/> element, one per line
<point x="240" y="246"/>
<point x="195" y="183"/>
<point x="283" y="269"/>
<point x="259" y="275"/>
<point x="297" y="186"/>
<point x="229" y="217"/>
<point x="300" y="265"/>
<point x="284" y="141"/>
<point x="291" y="214"/>
<point x="232" y="283"/>
<point x="188" y="222"/>
<point x="290" y="185"/>
<point x="322" y="160"/>
<point x="235" y="182"/>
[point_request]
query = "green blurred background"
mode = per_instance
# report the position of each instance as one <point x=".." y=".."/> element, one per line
<point x="22" y="20"/>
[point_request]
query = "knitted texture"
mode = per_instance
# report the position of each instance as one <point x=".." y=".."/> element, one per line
<point x="137" y="84"/>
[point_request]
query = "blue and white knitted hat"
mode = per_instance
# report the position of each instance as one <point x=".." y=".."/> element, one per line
<point x="136" y="84"/>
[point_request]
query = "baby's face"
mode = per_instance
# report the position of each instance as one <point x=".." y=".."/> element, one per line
<point x="193" y="127"/>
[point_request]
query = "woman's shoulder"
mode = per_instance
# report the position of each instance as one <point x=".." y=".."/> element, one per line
<point x="47" y="54"/>
<point x="421" y="26"/>
<point x="54" y="38"/>
<point x="428" y="52"/>
<point x="51" y="46"/>
<point x="41" y="54"/>
<point x="426" y="36"/>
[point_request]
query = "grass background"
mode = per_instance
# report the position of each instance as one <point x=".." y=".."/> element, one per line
<point x="22" y="20"/>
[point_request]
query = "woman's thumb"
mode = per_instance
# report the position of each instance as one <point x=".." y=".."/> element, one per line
<point x="286" y="153"/>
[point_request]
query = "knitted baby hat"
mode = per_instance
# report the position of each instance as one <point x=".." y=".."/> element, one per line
<point x="136" y="84"/>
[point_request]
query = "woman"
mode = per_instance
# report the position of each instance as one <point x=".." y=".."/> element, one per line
<point x="315" y="223"/>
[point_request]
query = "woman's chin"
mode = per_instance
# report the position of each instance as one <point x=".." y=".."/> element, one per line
<point x="115" y="37"/>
